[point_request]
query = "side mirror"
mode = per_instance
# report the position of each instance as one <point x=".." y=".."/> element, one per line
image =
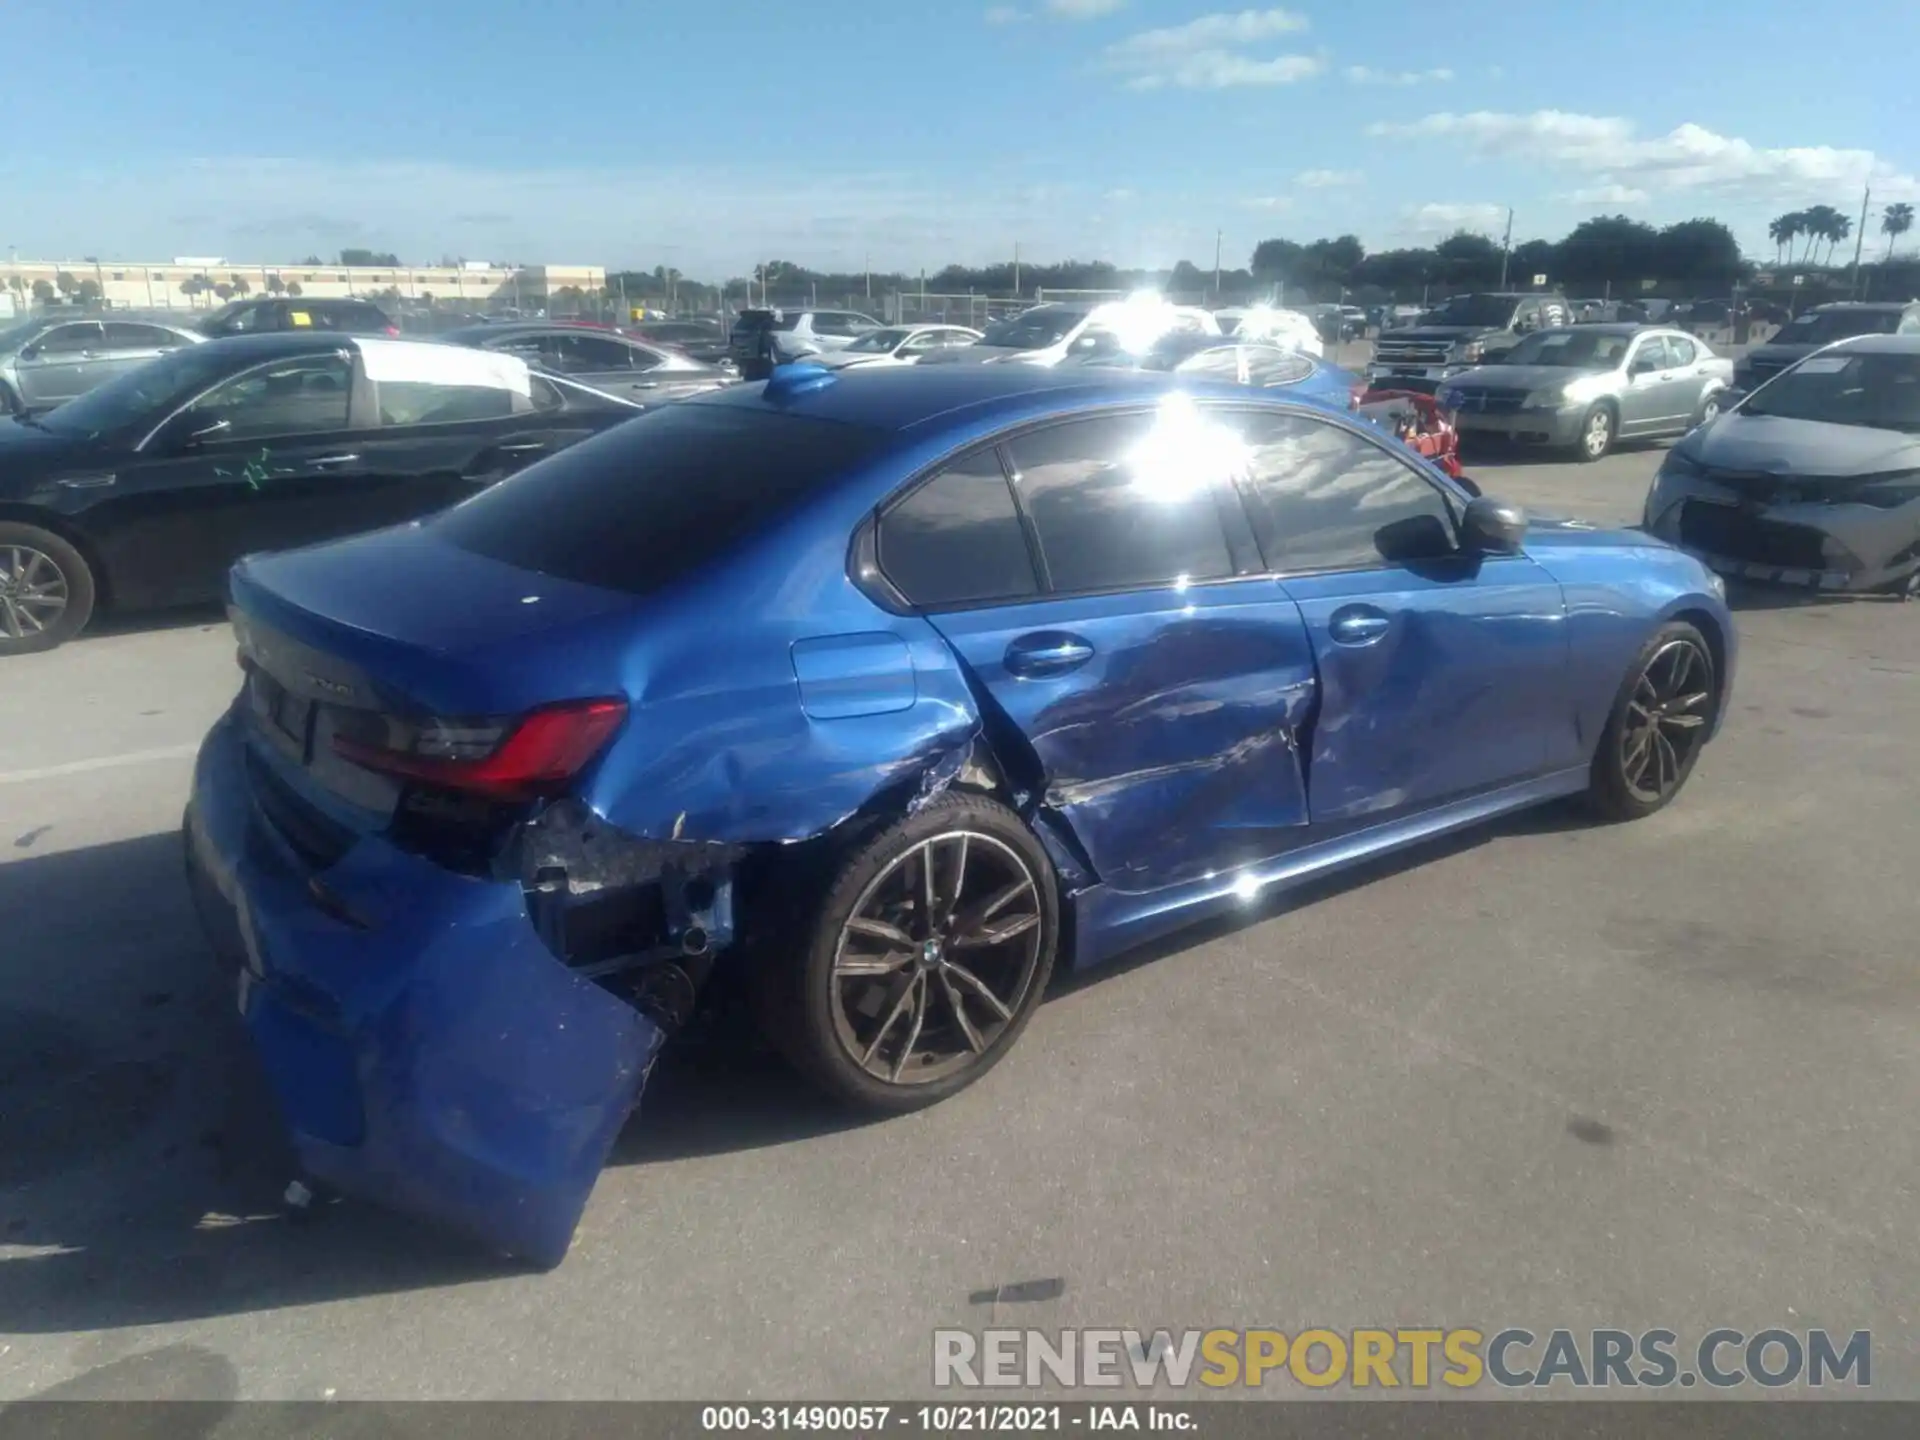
<point x="30" y="352"/>
<point x="1470" y="485"/>
<point x="1493" y="527"/>
<point x="1641" y="367"/>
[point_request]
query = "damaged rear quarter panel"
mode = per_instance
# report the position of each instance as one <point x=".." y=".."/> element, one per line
<point x="774" y="699"/>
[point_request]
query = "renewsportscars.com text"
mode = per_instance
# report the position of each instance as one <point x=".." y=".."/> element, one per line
<point x="1401" y="1358"/>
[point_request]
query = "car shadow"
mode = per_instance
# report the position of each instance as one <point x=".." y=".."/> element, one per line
<point x="1750" y="597"/>
<point x="141" y="1164"/>
<point x="1501" y="455"/>
<point x="145" y="622"/>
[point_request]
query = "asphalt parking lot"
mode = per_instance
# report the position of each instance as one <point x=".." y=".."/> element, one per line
<point x="1545" y="1075"/>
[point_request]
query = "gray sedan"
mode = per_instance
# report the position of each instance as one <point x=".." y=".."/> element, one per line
<point x="1813" y="480"/>
<point x="604" y="359"/>
<point x="47" y="362"/>
<point x="1583" y="387"/>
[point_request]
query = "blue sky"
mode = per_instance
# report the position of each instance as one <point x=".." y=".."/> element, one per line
<point x="918" y="132"/>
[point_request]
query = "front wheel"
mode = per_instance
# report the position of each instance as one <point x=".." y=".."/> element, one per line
<point x="1660" y="721"/>
<point x="1708" y="412"/>
<point x="46" y="590"/>
<point x="925" y="961"/>
<point x="9" y="402"/>
<point x="1596" y="434"/>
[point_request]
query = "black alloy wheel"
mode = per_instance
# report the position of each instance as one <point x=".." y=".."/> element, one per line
<point x="929" y="955"/>
<point x="1659" y="724"/>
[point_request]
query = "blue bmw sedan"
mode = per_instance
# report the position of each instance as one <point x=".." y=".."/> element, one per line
<point x="882" y="694"/>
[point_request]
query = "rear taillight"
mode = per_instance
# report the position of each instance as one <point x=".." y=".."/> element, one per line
<point x="393" y="329"/>
<point x="537" y="754"/>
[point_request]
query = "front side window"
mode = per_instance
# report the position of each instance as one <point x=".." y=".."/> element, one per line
<point x="1323" y="498"/>
<point x="1124" y="502"/>
<point x="307" y="395"/>
<point x="588" y="354"/>
<point x="1572" y="349"/>
<point x="69" y="340"/>
<point x="957" y="539"/>
<point x="1650" y="355"/>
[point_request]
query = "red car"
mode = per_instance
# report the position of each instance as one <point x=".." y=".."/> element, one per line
<point x="1418" y="421"/>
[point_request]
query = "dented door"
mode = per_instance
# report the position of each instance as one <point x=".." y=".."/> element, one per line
<point x="1166" y="721"/>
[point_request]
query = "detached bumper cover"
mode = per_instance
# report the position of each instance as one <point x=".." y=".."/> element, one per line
<point x="427" y="1050"/>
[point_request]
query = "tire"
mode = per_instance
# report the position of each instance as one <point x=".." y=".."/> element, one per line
<point x="1708" y="412"/>
<point x="9" y="402"/>
<point x="1673" y="699"/>
<point x="36" y="567"/>
<point x="1599" y="428"/>
<point x="855" y="1036"/>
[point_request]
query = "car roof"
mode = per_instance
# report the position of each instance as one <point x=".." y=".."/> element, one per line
<point x="1880" y="344"/>
<point x="1874" y="307"/>
<point x="267" y="344"/>
<point x="907" y="397"/>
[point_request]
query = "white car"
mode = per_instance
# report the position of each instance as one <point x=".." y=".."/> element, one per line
<point x="1048" y="334"/>
<point x="898" y="345"/>
<point x="1265" y="322"/>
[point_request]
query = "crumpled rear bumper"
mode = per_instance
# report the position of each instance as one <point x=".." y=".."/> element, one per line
<point x="428" y="1052"/>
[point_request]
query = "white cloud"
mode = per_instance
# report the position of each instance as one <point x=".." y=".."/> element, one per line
<point x="1211" y="53"/>
<point x="1082" y="9"/>
<point x="1367" y="75"/>
<point x="1269" y="202"/>
<point x="1445" y="218"/>
<point x="1328" y="179"/>
<point x="1609" y="193"/>
<point x="1688" y="158"/>
<point x="1118" y="197"/>
<point x="1005" y="15"/>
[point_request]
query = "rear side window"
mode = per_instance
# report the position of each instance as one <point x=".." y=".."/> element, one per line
<point x="357" y="318"/>
<point x="1326" y="499"/>
<point x="1681" y="352"/>
<point x="957" y="539"/>
<point x="1115" y="510"/>
<point x="654" y="499"/>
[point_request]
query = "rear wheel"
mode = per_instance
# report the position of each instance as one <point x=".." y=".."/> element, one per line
<point x="1708" y="412"/>
<point x="924" y="962"/>
<point x="9" y="402"/>
<point x="46" y="590"/>
<point x="1597" y="429"/>
<point x="1660" y="720"/>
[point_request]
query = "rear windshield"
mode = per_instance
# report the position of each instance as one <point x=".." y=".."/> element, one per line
<point x="1825" y="326"/>
<point x="766" y="320"/>
<point x="657" y="497"/>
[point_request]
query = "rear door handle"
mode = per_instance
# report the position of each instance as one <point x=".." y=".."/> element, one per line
<point x="1358" y="625"/>
<point x="332" y="462"/>
<point x="1036" y="657"/>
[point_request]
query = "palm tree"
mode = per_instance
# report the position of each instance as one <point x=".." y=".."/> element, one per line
<point x="1823" y="222"/>
<point x="275" y="285"/>
<point x="242" y="286"/>
<point x="293" y="288"/>
<point x="1837" y="232"/>
<point x="1783" y="231"/>
<point x="1895" y="221"/>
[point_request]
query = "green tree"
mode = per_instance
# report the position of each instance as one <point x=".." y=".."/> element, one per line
<point x="1609" y="249"/>
<point x="1467" y="260"/>
<point x="223" y="291"/>
<point x="1895" y="221"/>
<point x="370" y="259"/>
<point x="1275" y="260"/>
<point x="1699" y="252"/>
<point x="276" y="286"/>
<point x="65" y="283"/>
<point x="43" y="292"/>
<point x="1534" y="257"/>
<point x="242" y="286"/>
<point x="1823" y="222"/>
<point x="88" y="291"/>
<point x="293" y="288"/>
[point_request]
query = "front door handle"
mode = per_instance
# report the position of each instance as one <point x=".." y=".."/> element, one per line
<point x="1358" y="625"/>
<point x="332" y="462"/>
<point x="523" y="447"/>
<point x="1036" y="657"/>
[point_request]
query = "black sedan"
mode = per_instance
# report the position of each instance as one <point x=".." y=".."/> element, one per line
<point x="701" y="340"/>
<point x="144" y="491"/>
<point x="605" y="359"/>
